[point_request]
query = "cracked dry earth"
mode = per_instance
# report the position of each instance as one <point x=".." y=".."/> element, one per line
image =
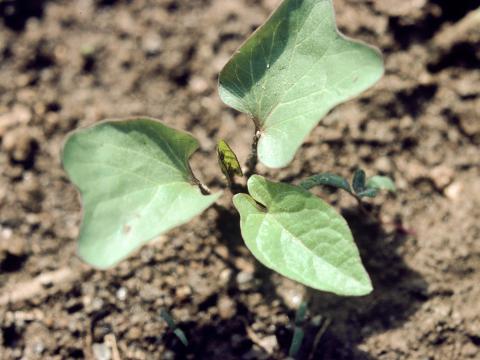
<point x="65" y="64"/>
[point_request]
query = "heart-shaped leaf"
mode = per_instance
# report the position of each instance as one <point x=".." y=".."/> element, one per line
<point x="135" y="183"/>
<point x="292" y="71"/>
<point x="300" y="236"/>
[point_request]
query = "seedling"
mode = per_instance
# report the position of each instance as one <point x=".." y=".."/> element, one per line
<point x="136" y="182"/>
<point x="173" y="326"/>
<point x="298" y="332"/>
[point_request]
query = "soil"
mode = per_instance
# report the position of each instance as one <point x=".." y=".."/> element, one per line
<point x="65" y="64"/>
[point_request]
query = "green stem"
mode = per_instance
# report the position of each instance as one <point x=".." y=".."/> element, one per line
<point x="252" y="160"/>
<point x="298" y="333"/>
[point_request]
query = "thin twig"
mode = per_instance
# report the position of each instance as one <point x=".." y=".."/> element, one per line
<point x="38" y="286"/>
<point x="377" y="219"/>
<point x="203" y="188"/>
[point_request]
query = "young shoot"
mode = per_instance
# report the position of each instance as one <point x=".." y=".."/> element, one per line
<point x="136" y="180"/>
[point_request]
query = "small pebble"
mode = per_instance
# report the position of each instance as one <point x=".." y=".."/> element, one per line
<point x="122" y="294"/>
<point x="222" y="251"/>
<point x="244" y="277"/>
<point x="198" y="85"/>
<point x="101" y="352"/>
<point x="20" y="114"/>
<point x="244" y="265"/>
<point x="134" y="333"/>
<point x="15" y="245"/>
<point x="97" y="304"/>
<point x="292" y="294"/>
<point x="453" y="190"/>
<point x="383" y="165"/>
<point x="38" y="347"/>
<point x="18" y="143"/>
<point x="183" y="292"/>
<point x="442" y="176"/>
<point x="226" y="307"/>
<point x="224" y="277"/>
<point x="152" y="43"/>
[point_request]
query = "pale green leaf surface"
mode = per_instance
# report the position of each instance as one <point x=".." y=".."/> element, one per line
<point x="135" y="183"/>
<point x="301" y="237"/>
<point x="292" y="71"/>
<point x="381" y="183"/>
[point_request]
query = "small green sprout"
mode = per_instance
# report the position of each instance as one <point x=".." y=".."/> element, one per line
<point x="298" y="332"/>
<point x="361" y="187"/>
<point x="173" y="326"/>
<point x="136" y="180"/>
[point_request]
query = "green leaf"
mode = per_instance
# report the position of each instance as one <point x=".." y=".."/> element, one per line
<point x="292" y="71"/>
<point x="135" y="183"/>
<point x="168" y="319"/>
<point x="181" y="336"/>
<point x="371" y="193"/>
<point x="173" y="326"/>
<point x="381" y="183"/>
<point x="326" y="179"/>
<point x="358" y="182"/>
<point x="228" y="160"/>
<point x="301" y="237"/>
<point x="298" y="332"/>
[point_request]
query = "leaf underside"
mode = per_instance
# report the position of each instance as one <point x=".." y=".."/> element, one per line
<point x="301" y="237"/>
<point x="135" y="182"/>
<point x="292" y="71"/>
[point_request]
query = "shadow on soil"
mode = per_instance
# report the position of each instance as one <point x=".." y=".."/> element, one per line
<point x="218" y="338"/>
<point x="15" y="13"/>
<point x="399" y="291"/>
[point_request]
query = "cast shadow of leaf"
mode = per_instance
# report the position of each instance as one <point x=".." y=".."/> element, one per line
<point x="225" y="339"/>
<point x="398" y="293"/>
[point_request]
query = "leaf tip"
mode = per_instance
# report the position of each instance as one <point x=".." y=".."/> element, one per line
<point x="94" y="258"/>
<point x="245" y="204"/>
